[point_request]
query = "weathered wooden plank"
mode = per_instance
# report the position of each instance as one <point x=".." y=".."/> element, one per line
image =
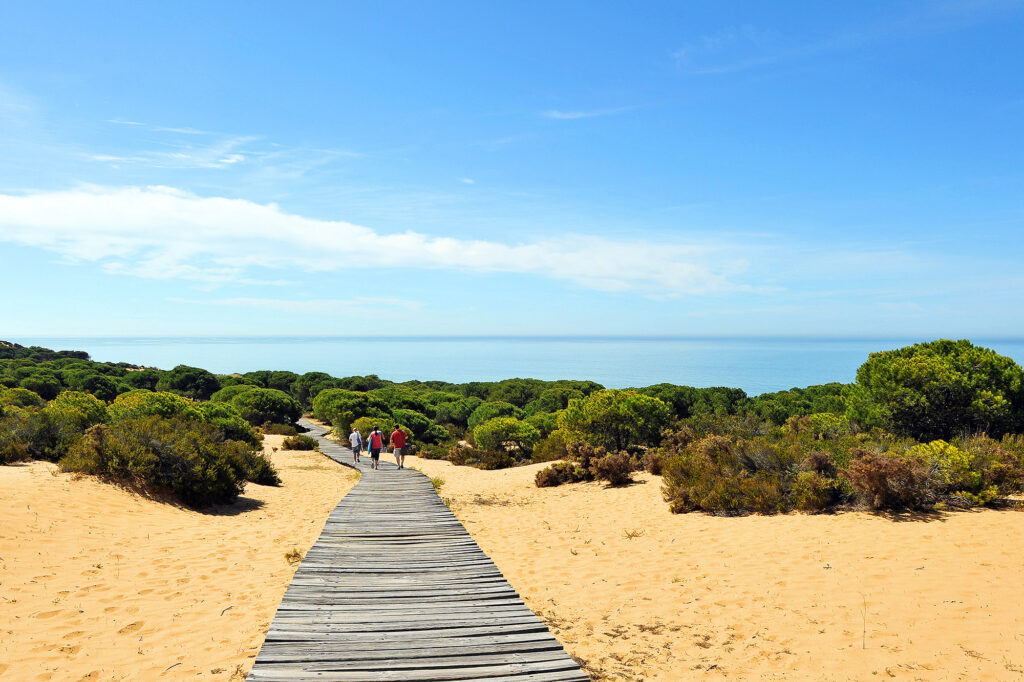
<point x="396" y="589"/>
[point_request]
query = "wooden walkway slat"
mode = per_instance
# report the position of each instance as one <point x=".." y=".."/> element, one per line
<point x="396" y="589"/>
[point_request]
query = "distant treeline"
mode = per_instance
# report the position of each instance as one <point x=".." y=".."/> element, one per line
<point x="918" y="427"/>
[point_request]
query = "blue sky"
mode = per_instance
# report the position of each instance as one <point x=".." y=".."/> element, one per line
<point x="512" y="168"/>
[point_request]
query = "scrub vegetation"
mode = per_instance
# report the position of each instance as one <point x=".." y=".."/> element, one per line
<point x="931" y="425"/>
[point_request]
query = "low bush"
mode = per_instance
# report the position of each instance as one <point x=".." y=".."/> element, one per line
<point x="654" y="462"/>
<point x="559" y="473"/>
<point x="229" y="423"/>
<point x="617" y="468"/>
<point x="165" y="456"/>
<point x="299" y="442"/>
<point x="479" y="458"/>
<point x="18" y="428"/>
<point x="891" y="480"/>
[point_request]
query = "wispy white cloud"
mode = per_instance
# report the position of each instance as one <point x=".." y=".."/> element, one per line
<point x="310" y="307"/>
<point x="560" y="115"/>
<point x="747" y="46"/>
<point x="467" y="181"/>
<point x="164" y="233"/>
<point x="185" y="147"/>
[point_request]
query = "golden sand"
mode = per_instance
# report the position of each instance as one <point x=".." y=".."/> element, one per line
<point x="97" y="583"/>
<point x="641" y="594"/>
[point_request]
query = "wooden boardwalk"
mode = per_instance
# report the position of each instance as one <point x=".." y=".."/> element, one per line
<point x="396" y="589"/>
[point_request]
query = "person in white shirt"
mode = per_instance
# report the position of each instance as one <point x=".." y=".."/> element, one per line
<point x="356" y="440"/>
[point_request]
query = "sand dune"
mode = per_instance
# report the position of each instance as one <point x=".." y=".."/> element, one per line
<point x="851" y="596"/>
<point x="97" y="583"/>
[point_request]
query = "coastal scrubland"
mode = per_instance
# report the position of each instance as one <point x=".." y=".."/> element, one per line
<point x="934" y="424"/>
<point x="651" y="527"/>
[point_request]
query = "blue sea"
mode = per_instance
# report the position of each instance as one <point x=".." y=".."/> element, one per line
<point x="756" y="365"/>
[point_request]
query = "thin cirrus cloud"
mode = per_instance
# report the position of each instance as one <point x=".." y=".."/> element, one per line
<point x="167" y="233"/>
<point x="309" y="307"/>
<point x="560" y="115"/>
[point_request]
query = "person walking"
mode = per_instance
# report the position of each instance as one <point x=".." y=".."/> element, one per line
<point x="398" y="441"/>
<point x="355" y="439"/>
<point x="375" y="443"/>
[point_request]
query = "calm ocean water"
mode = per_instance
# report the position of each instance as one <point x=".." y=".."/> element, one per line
<point x="753" y="364"/>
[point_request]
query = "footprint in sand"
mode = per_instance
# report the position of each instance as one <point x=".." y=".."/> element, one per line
<point x="70" y="635"/>
<point x="48" y="614"/>
<point x="133" y="627"/>
<point x="71" y="650"/>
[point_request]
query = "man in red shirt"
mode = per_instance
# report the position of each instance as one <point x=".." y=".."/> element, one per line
<point x="398" y="440"/>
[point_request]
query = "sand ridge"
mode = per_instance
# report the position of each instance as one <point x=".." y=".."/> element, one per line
<point x="638" y="593"/>
<point x="97" y="583"/>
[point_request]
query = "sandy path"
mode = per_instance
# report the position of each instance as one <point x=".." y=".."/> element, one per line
<point x="99" y="584"/>
<point x="842" y="597"/>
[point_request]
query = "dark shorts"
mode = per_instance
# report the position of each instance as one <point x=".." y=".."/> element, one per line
<point x="357" y="449"/>
<point x="374" y="453"/>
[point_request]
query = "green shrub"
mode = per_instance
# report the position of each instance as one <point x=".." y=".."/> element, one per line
<point x="456" y="412"/>
<point x="20" y="397"/>
<point x="310" y="385"/>
<point x="436" y="434"/>
<point x="939" y="390"/>
<point x="46" y="385"/>
<point x="544" y="422"/>
<point x="487" y="411"/>
<point x="103" y="387"/>
<point x="820" y="426"/>
<point x="299" y="442"/>
<point x="18" y="429"/>
<point x="341" y="407"/>
<point x="551" y="448"/>
<point x="136" y="404"/>
<point x="261" y="405"/>
<point x="67" y="417"/>
<point x="229" y="423"/>
<point x="163" y="456"/>
<point x="416" y="422"/>
<point x="191" y="382"/>
<point x="251" y="463"/>
<point x="813" y="491"/>
<point x="552" y="400"/>
<point x="146" y="379"/>
<point x="226" y="394"/>
<point x="617" y="420"/>
<point x="505" y="434"/>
